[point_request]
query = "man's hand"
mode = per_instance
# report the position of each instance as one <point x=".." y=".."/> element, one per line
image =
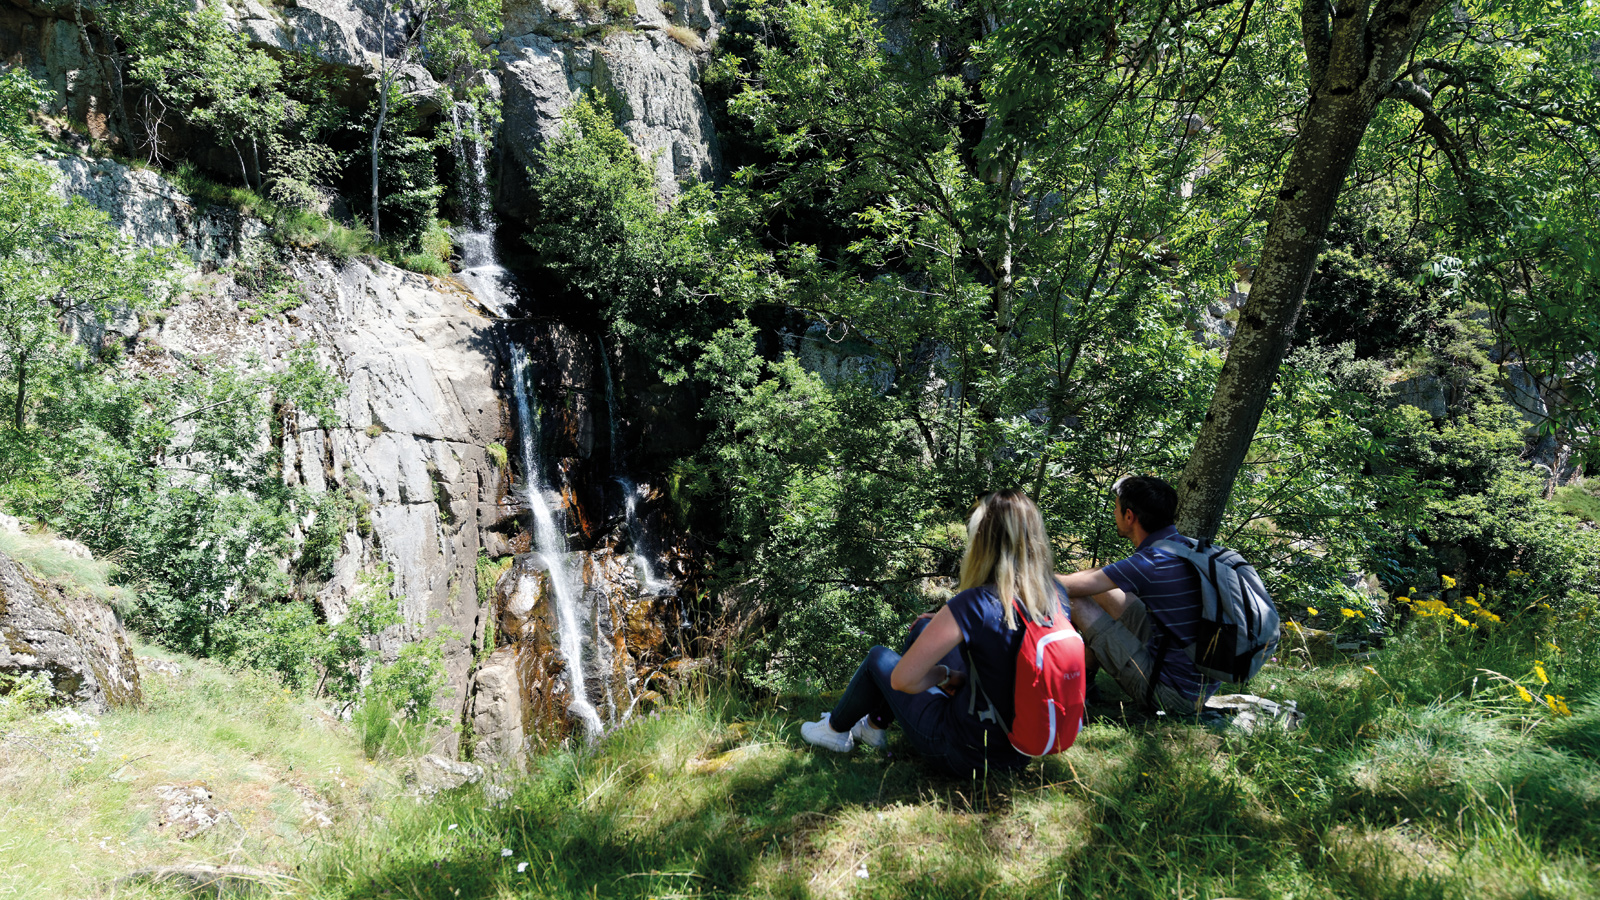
<point x="922" y="618"/>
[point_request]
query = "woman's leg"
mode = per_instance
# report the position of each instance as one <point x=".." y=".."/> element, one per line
<point x="870" y="694"/>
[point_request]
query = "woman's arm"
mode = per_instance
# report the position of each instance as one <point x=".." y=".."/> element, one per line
<point x="919" y="669"/>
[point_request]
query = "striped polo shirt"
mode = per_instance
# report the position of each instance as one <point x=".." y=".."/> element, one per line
<point x="1169" y="588"/>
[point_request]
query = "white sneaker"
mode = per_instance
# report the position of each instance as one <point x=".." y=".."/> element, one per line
<point x="822" y="734"/>
<point x="866" y="733"/>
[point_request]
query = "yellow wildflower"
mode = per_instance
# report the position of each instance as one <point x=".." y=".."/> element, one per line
<point x="1538" y="671"/>
<point x="1558" y="705"/>
<point x="1470" y="601"/>
<point x="1311" y="610"/>
<point x="1411" y="590"/>
<point x="1348" y="613"/>
<point x="1523" y="693"/>
<point x="1463" y="621"/>
<point x="1553" y="647"/>
<point x="1448" y="582"/>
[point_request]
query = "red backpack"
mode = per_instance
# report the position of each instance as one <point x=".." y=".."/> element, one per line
<point x="1049" y="689"/>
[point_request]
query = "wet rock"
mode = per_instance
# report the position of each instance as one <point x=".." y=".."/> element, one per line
<point x="188" y="810"/>
<point x="200" y="880"/>
<point x="76" y="641"/>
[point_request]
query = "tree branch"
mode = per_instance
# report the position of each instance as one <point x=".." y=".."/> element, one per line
<point x="1436" y="127"/>
<point x="1317" y="37"/>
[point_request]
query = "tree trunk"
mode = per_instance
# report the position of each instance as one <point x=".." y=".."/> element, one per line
<point x="1354" y="55"/>
<point x="22" y="388"/>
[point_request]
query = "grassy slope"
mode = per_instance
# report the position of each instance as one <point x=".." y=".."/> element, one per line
<point x="1425" y="775"/>
<point x="72" y="820"/>
<point x="1400" y="785"/>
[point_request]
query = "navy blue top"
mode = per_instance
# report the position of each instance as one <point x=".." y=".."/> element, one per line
<point x="1169" y="587"/>
<point x="991" y="649"/>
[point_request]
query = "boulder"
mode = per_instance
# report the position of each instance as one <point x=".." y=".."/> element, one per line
<point x="496" y="713"/>
<point x="77" y="641"/>
<point x="187" y="810"/>
<point x="435" y="774"/>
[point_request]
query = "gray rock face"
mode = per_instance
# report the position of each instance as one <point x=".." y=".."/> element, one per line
<point x="77" y="642"/>
<point x="417" y="357"/>
<point x="554" y="54"/>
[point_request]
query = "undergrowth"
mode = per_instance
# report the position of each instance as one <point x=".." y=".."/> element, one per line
<point x="308" y="229"/>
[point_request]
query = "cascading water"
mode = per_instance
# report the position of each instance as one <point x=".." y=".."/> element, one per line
<point x="490" y="282"/>
<point x="631" y="493"/>
<point x="550" y="544"/>
<point x="605" y="630"/>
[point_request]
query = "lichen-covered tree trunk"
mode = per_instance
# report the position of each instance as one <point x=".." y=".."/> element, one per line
<point x="1353" y="55"/>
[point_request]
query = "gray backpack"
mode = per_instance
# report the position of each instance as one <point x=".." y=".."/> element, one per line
<point x="1238" y="627"/>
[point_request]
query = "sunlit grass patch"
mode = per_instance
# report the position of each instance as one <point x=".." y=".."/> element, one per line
<point x="75" y="819"/>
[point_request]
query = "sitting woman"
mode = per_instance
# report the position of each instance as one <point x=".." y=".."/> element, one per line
<point x="926" y="690"/>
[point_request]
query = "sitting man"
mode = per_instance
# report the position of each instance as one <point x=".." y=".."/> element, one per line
<point x="1136" y="615"/>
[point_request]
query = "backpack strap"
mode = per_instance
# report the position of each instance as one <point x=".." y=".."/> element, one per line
<point x="990" y="713"/>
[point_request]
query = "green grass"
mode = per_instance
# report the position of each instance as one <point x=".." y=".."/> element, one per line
<point x="1579" y="501"/>
<point x="71" y="820"/>
<point x="1423" y="777"/>
<point x="40" y="553"/>
<point x="1421" y="772"/>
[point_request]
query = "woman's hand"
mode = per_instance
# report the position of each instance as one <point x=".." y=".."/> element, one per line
<point x="920" y="668"/>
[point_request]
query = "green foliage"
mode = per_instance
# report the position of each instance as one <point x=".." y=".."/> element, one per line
<point x="273" y="637"/>
<point x="1487" y="516"/>
<point x="487" y="573"/>
<point x="63" y="272"/>
<point x="599" y="232"/>
<point x="408" y="185"/>
<point x="23" y="695"/>
<point x="20" y="98"/>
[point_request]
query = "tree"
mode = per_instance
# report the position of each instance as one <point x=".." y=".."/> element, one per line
<point x="63" y="272"/>
<point x="1359" y="55"/>
<point x="443" y="34"/>
<point x="193" y="62"/>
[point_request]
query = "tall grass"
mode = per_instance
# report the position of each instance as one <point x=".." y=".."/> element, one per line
<point x="73" y="819"/>
<point x="48" y="559"/>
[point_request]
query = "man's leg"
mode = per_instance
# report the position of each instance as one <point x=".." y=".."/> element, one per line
<point x="1120" y="644"/>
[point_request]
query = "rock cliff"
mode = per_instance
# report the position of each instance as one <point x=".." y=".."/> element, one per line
<point x="418" y="358"/>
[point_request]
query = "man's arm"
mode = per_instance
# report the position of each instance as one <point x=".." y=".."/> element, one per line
<point x="1086" y="583"/>
<point x="1098" y="587"/>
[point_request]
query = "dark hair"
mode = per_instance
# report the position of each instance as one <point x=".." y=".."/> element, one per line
<point x="1152" y="501"/>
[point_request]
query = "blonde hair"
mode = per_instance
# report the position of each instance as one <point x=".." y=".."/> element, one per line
<point x="1007" y="547"/>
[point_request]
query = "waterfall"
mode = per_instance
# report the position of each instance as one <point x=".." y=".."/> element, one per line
<point x="550" y="543"/>
<point x="480" y="267"/>
<point x="631" y="493"/>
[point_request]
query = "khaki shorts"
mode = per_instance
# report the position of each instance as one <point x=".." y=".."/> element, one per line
<point x="1122" y="647"/>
